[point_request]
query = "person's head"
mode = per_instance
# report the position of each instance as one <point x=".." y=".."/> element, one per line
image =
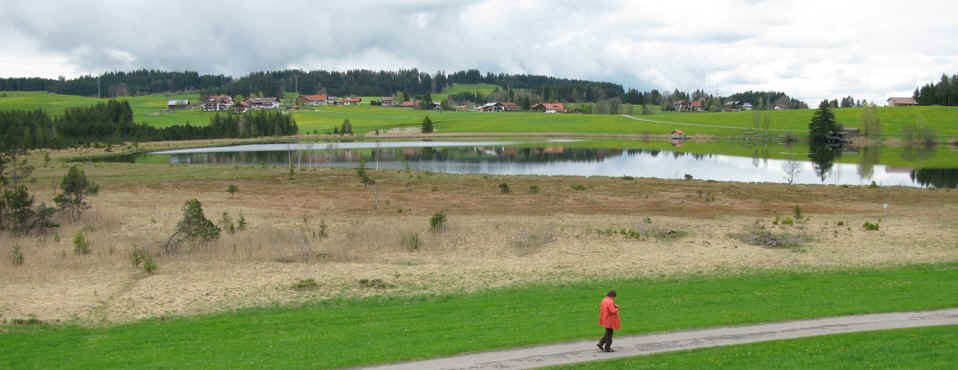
<point x="611" y="294"/>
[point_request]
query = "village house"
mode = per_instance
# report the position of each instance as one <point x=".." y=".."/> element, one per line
<point x="510" y="107"/>
<point x="549" y="107"/>
<point x="386" y="101"/>
<point x="409" y="104"/>
<point x="241" y="107"/>
<point x="491" y="107"/>
<point x="352" y="100"/>
<point x="178" y="104"/>
<point x="331" y="100"/>
<point x="218" y="103"/>
<point x="746" y="106"/>
<point x="697" y="106"/>
<point x="681" y="106"/>
<point x="901" y="102"/>
<point x="263" y="103"/>
<point x="314" y="99"/>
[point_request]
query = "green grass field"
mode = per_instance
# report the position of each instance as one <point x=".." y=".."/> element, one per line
<point x="342" y="333"/>
<point x="943" y="119"/>
<point x="921" y="348"/>
<point x="365" y="118"/>
<point x="483" y="89"/>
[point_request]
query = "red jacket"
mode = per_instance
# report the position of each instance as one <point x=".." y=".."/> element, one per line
<point x="609" y="314"/>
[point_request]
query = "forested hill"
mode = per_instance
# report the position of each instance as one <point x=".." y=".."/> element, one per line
<point x="275" y="83"/>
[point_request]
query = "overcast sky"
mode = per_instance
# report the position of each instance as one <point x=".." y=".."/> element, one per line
<point x="809" y="49"/>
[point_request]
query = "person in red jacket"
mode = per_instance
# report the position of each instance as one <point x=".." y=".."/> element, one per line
<point x="608" y="319"/>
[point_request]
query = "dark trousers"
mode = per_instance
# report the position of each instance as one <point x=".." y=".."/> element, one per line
<point x="606" y="340"/>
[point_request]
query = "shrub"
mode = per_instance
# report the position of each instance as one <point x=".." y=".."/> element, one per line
<point x="374" y="283"/>
<point x="226" y="222"/>
<point x="411" y="241"/>
<point x="148" y="265"/>
<point x="305" y="284"/>
<point x="578" y="187"/>
<point x="534" y="189"/>
<point x="232" y="189"/>
<point x="628" y="178"/>
<point x="193" y="227"/>
<point x="80" y="244"/>
<point x="797" y="212"/>
<point x="688" y="177"/>
<point x="437" y="223"/>
<point x="137" y="256"/>
<point x="868" y="226"/>
<point x="503" y="188"/>
<point x="16" y="256"/>
<point x="788" y="221"/>
<point x="76" y="188"/>
<point x="241" y="224"/>
<point x="323" y="230"/>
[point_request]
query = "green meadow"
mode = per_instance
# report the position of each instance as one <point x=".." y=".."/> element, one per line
<point x="351" y="332"/>
<point x="365" y="118"/>
<point x="921" y="348"/>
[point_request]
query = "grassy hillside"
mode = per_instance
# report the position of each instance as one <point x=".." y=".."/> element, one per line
<point x="353" y="332"/>
<point x="148" y="109"/>
<point x="461" y="88"/>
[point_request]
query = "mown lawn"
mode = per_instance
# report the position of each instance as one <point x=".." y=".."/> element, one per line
<point x="353" y="332"/>
<point x="919" y="348"/>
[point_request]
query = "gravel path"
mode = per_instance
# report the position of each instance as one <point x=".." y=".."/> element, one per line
<point x="582" y="351"/>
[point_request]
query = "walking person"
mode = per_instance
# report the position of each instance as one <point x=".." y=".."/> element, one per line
<point x="608" y="319"/>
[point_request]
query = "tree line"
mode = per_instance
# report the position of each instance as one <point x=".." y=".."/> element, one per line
<point x="112" y="122"/>
<point x="275" y="83"/>
<point x="945" y="92"/>
<point x="113" y="84"/>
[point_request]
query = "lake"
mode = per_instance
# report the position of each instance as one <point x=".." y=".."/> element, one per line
<point x="558" y="158"/>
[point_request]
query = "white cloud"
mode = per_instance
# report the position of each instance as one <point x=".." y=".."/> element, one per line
<point x="809" y="49"/>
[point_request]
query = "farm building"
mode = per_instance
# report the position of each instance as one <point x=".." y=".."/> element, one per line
<point x="681" y="106"/>
<point x="263" y="103"/>
<point x="510" y="106"/>
<point x="178" y="104"/>
<point x="409" y="104"/>
<point x="549" y="107"/>
<point x="697" y="105"/>
<point x="352" y="100"/>
<point x="315" y="99"/>
<point x="491" y="107"/>
<point x="218" y="103"/>
<point x="386" y="101"/>
<point x="901" y="102"/>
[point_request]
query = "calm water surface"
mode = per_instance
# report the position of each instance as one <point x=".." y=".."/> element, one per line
<point x="551" y="158"/>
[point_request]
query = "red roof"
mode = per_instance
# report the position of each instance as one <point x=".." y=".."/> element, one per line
<point x="697" y="103"/>
<point x="408" y="103"/>
<point x="510" y="106"/>
<point x="314" y="97"/>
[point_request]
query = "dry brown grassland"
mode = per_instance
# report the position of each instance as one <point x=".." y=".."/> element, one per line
<point x="492" y="239"/>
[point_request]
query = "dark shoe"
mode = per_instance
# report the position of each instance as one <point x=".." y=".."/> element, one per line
<point x="609" y="349"/>
<point x="600" y="347"/>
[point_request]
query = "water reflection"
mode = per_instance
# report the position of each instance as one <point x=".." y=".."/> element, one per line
<point x="554" y="159"/>
<point x="936" y="177"/>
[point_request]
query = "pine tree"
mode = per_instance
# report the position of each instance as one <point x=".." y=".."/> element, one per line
<point x="823" y="123"/>
<point x="427" y="125"/>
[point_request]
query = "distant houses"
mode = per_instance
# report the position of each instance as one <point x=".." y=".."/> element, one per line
<point x="218" y="103"/>
<point x="901" y="102"/>
<point x="263" y="103"/>
<point x="313" y="99"/>
<point x="178" y="104"/>
<point x="352" y="100"/>
<point x="386" y="101"/>
<point x="549" y="108"/>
